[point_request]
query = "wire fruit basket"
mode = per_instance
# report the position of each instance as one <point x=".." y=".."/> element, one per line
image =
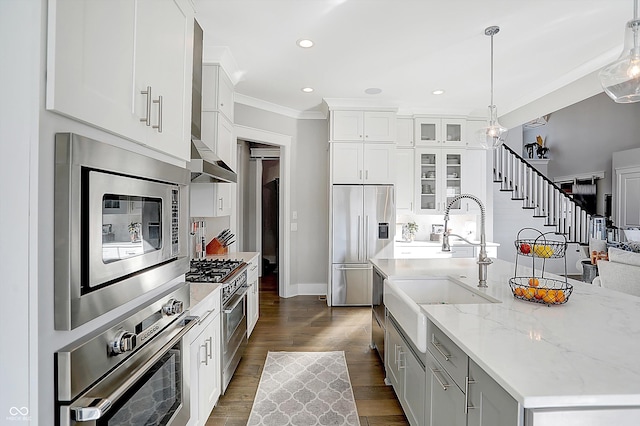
<point x="535" y="287"/>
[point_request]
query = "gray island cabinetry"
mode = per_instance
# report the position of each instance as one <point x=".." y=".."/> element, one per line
<point x="495" y="360"/>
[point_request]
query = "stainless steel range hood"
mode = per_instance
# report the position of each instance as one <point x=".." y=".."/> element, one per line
<point x="206" y="167"/>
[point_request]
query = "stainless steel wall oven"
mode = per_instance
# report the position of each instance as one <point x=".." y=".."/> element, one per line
<point x="136" y="372"/>
<point x="121" y="227"/>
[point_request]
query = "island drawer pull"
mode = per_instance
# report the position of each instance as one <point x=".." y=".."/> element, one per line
<point x="401" y="365"/>
<point x="444" y="385"/>
<point x="437" y="345"/>
<point x="467" y="406"/>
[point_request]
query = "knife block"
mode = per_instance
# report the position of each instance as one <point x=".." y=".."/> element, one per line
<point x="216" y="247"/>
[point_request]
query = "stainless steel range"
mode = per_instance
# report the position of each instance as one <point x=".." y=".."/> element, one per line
<point x="232" y="275"/>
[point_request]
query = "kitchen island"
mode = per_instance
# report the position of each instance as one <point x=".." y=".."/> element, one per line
<point x="570" y="364"/>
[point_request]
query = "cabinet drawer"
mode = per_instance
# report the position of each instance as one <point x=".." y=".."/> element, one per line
<point x="450" y="356"/>
<point x="252" y="271"/>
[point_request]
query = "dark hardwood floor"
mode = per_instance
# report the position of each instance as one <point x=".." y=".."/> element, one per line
<point x="306" y="323"/>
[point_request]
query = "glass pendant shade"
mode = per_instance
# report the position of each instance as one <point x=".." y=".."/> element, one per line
<point x="621" y="79"/>
<point x="493" y="135"/>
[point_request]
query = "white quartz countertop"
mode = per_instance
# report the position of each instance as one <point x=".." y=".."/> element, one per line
<point x="199" y="291"/>
<point x="452" y="241"/>
<point x="582" y="353"/>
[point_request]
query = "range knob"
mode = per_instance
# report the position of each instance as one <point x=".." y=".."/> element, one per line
<point x="125" y="341"/>
<point x="173" y="307"/>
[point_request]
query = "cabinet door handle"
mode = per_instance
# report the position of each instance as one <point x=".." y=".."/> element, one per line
<point x="401" y="360"/>
<point x="206" y="354"/>
<point x="437" y="345"/>
<point x="210" y="340"/>
<point x="147" y="118"/>
<point x="358" y="246"/>
<point x="159" y="125"/>
<point x="395" y="351"/>
<point x="467" y="406"/>
<point x="360" y="174"/>
<point x="444" y="385"/>
<point x="221" y="203"/>
<point x="366" y="175"/>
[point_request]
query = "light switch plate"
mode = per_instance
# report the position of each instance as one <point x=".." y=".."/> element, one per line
<point x="294" y="226"/>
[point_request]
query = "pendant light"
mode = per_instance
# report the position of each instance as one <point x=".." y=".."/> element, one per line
<point x="493" y="135"/>
<point x="621" y="79"/>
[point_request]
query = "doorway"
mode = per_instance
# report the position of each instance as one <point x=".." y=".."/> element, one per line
<point x="265" y="171"/>
<point x="246" y="203"/>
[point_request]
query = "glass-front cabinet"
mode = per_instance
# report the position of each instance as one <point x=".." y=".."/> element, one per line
<point x="439" y="177"/>
<point x="440" y="131"/>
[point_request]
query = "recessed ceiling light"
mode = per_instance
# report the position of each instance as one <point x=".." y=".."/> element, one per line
<point x="307" y="89"/>
<point x="372" y="91"/>
<point x="438" y="92"/>
<point x="305" y="43"/>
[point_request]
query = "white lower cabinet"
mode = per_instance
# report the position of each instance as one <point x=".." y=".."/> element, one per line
<point x="206" y="380"/>
<point x="443" y="387"/>
<point x="253" y="295"/>
<point x="488" y="403"/>
<point x="444" y="401"/>
<point x="406" y="374"/>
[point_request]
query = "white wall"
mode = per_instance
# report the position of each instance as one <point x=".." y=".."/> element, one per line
<point x="20" y="85"/>
<point x="309" y="197"/>
<point x="583" y="137"/>
<point x="509" y="218"/>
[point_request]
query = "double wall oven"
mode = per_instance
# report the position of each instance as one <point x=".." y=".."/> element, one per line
<point x="121" y="227"/>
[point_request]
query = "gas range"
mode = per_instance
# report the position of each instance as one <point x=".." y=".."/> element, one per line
<point x="231" y="274"/>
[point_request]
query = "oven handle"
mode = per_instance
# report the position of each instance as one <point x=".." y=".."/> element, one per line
<point x="99" y="406"/>
<point x="239" y="296"/>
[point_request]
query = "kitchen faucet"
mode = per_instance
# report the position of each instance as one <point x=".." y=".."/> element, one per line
<point x="483" y="259"/>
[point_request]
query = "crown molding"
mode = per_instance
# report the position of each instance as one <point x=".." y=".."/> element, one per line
<point x="278" y="109"/>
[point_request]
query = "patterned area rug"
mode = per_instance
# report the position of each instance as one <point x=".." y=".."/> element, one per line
<point x="304" y="389"/>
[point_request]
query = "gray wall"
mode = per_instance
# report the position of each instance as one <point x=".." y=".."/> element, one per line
<point x="309" y="192"/>
<point x="583" y="137"/>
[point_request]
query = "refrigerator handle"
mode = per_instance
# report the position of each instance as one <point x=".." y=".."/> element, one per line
<point x="366" y="238"/>
<point x="358" y="249"/>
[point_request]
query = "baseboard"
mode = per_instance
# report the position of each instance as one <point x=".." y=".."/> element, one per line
<point x="308" y="289"/>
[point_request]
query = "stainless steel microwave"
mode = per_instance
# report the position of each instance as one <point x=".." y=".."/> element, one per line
<point x="121" y="227"/>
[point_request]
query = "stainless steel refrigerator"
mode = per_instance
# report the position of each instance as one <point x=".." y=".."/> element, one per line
<point x="363" y="220"/>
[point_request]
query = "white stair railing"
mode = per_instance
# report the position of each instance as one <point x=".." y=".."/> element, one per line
<point x="540" y="195"/>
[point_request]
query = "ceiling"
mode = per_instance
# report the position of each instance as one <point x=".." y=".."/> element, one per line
<point x="408" y="49"/>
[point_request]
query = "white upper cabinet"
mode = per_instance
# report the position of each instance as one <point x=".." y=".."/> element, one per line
<point x="218" y="91"/>
<point x="164" y="41"/>
<point x="404" y="132"/>
<point x="103" y="54"/>
<point x="210" y="199"/>
<point x="405" y="179"/>
<point x="362" y="163"/>
<point x="368" y="126"/>
<point x="440" y="131"/>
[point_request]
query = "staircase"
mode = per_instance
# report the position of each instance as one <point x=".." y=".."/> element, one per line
<point x="544" y="198"/>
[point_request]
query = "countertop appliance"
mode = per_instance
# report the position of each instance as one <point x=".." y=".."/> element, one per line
<point x="364" y="223"/>
<point x="232" y="275"/>
<point x="121" y="227"/>
<point x="136" y="372"/>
